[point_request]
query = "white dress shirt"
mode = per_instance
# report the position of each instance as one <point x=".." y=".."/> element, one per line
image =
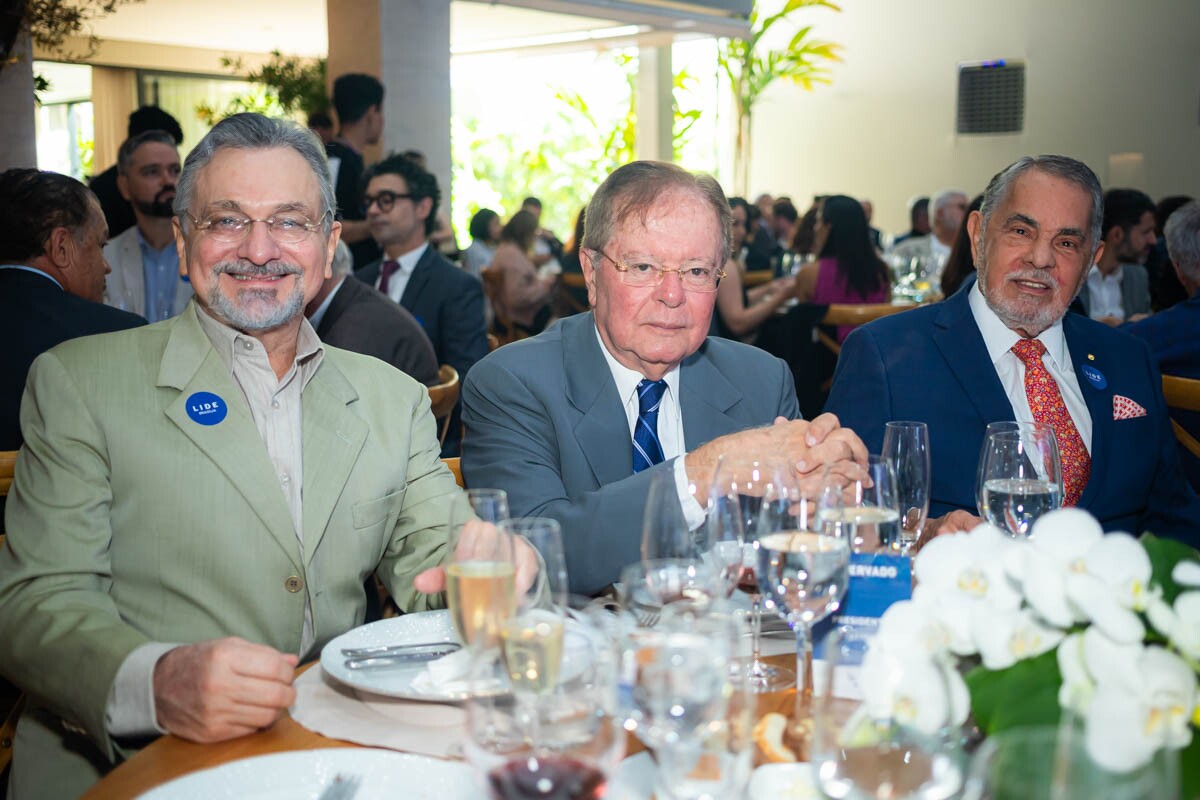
<point x="1104" y="293"/>
<point x="999" y="339"/>
<point x="398" y="281"/>
<point x="670" y="426"/>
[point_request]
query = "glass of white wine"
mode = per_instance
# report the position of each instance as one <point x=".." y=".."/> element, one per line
<point x="480" y="574"/>
<point x="1020" y="477"/>
<point x="868" y="510"/>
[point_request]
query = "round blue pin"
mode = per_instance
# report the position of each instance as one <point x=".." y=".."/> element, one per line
<point x="1095" y="377"/>
<point x="206" y="408"/>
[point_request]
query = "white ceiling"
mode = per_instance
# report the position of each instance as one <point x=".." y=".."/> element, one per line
<point x="297" y="27"/>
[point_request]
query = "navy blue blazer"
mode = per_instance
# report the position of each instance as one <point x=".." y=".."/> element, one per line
<point x="931" y="364"/>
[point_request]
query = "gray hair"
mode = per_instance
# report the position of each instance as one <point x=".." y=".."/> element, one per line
<point x="255" y="132"/>
<point x="343" y="260"/>
<point x="130" y="146"/>
<point x="1182" y="233"/>
<point x="943" y="198"/>
<point x="634" y="188"/>
<point x="1063" y="167"/>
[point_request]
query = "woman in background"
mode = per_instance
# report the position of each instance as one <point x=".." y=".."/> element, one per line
<point x="739" y="312"/>
<point x="526" y="295"/>
<point x="571" y="265"/>
<point x="485" y="235"/>
<point x="847" y="269"/>
<point x="960" y="264"/>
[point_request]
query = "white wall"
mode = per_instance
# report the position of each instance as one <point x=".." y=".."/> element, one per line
<point x="1103" y="77"/>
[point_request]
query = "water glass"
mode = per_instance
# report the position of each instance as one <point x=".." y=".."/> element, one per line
<point x="665" y="532"/>
<point x="1020" y="477"/>
<point x="867" y="510"/>
<point x="545" y="536"/>
<point x="648" y="587"/>
<point x="906" y="448"/>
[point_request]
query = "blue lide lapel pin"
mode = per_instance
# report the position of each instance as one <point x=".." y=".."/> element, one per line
<point x="206" y="408"/>
<point x="1094" y="376"/>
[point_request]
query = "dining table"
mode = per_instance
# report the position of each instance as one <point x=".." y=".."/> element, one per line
<point x="170" y="757"/>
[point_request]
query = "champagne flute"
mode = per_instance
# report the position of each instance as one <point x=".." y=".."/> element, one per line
<point x="665" y="532"/>
<point x="906" y="447"/>
<point x="737" y="496"/>
<point x="1020" y="478"/>
<point x="894" y="737"/>
<point x="481" y="569"/>
<point x="803" y="562"/>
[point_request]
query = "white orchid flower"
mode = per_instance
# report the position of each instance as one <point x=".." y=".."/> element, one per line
<point x="1115" y="585"/>
<point x="1075" y="694"/>
<point x="1186" y="573"/>
<point x="1180" y="623"/>
<point x="961" y="572"/>
<point x="1007" y="636"/>
<point x="1055" y="551"/>
<point x="912" y="622"/>
<point x="1130" y="718"/>
<point x="909" y="689"/>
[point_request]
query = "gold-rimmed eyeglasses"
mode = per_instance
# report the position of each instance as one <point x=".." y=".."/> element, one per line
<point x="694" y="277"/>
<point x="285" y="228"/>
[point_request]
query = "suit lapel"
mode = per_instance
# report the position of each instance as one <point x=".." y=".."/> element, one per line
<point x="338" y="305"/>
<point x="134" y="274"/>
<point x="333" y="438"/>
<point x="1099" y="401"/>
<point x="417" y="281"/>
<point x="190" y="364"/>
<point x="602" y="430"/>
<point x="958" y="338"/>
<point x="705" y="396"/>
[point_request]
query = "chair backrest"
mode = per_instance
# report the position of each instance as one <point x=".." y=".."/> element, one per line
<point x="443" y="396"/>
<point x="849" y="314"/>
<point x="1183" y="394"/>
<point x="757" y="277"/>
<point x="493" y="287"/>
<point x="493" y="342"/>
<point x="8" y="463"/>
<point x="455" y="466"/>
<point x="566" y="301"/>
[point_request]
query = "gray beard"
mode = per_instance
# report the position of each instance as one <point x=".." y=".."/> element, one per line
<point x="256" y="310"/>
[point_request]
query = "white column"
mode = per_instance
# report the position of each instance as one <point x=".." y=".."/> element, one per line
<point x="415" y="70"/>
<point x="18" y="135"/>
<point x="655" y="115"/>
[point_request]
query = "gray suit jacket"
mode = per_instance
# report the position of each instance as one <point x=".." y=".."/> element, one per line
<point x="1135" y="291"/>
<point x="125" y="286"/>
<point x="544" y="423"/>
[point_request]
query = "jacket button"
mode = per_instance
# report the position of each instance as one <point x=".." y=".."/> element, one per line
<point x="294" y="583"/>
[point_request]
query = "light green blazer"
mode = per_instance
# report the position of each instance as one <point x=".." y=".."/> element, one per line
<point x="130" y="523"/>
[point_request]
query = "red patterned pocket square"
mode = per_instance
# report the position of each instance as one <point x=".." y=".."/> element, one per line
<point x="1124" y="408"/>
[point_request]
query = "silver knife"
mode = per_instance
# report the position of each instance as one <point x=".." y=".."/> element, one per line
<point x="388" y="660"/>
<point x="442" y="648"/>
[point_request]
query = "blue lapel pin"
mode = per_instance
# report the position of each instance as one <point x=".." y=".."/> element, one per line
<point x="206" y="408"/>
<point x="1094" y="376"/>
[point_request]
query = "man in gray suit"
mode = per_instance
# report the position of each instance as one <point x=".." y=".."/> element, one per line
<point x="145" y="275"/>
<point x="574" y="423"/>
<point x="1118" y="287"/>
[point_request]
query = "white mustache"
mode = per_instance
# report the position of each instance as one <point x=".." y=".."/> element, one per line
<point x="271" y="269"/>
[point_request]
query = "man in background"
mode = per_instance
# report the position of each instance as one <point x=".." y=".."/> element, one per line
<point x="117" y="211"/>
<point x="145" y="275"/>
<point x="1118" y="287"/>
<point x="948" y="208"/>
<point x="358" y="101"/>
<point x="918" y="220"/>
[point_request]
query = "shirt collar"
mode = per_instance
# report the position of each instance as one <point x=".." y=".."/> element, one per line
<point x="408" y="261"/>
<point x="999" y="338"/>
<point x="35" y="271"/>
<point x="230" y="343"/>
<point x="1096" y="276"/>
<point x="627" y="380"/>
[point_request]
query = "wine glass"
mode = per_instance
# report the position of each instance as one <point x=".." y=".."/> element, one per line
<point x="1020" y="477"/>
<point x="736" y="499"/>
<point x="480" y="570"/>
<point x="665" y="532"/>
<point x="866" y="508"/>
<point x="906" y="447"/>
<point x="649" y="586"/>
<point x="883" y="724"/>
<point x="566" y="741"/>
<point x="545" y="536"/>
<point x="803" y="561"/>
<point x="688" y="707"/>
<point x="490" y="505"/>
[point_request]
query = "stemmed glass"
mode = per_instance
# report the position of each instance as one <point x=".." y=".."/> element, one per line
<point x="803" y="561"/>
<point x="1020" y="477"/>
<point x="665" y="532"/>
<point x="906" y="447"/>
<point x="737" y="495"/>
<point x="868" y="509"/>
<point x="883" y="724"/>
<point x="481" y="568"/>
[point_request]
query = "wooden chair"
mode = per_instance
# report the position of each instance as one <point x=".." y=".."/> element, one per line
<point x="493" y="342"/>
<point x="565" y="301"/>
<point x="757" y="277"/>
<point x="455" y="465"/>
<point x="1183" y="394"/>
<point x="493" y="287"/>
<point x="443" y="396"/>
<point x="845" y="314"/>
<point x="8" y="463"/>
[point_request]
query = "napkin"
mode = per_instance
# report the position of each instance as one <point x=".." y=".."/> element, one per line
<point x="331" y="709"/>
<point x="448" y="675"/>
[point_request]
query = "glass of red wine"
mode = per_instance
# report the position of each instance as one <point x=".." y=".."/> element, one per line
<point x="547" y="734"/>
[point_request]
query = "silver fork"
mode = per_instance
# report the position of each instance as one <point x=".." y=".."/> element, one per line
<point x="344" y="787"/>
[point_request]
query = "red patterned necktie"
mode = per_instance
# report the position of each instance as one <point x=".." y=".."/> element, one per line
<point x="389" y="267"/>
<point x="1046" y="402"/>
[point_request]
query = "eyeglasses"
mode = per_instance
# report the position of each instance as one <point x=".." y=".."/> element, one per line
<point x="694" y="277"/>
<point x="284" y="228"/>
<point x="384" y="199"/>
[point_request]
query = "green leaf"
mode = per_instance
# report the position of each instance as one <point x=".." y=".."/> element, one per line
<point x="1024" y="694"/>
<point x="1164" y="555"/>
<point x="1189" y="769"/>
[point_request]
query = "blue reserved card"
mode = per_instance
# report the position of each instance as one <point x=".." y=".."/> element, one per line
<point x="876" y="581"/>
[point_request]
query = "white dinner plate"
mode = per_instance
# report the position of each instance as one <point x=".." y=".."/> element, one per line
<point x="783" y="782"/>
<point x="304" y="774"/>
<point x="426" y="626"/>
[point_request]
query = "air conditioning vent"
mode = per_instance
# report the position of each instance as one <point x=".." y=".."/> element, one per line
<point x="991" y="97"/>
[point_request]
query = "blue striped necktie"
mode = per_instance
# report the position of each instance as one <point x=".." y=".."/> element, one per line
<point x="646" y="448"/>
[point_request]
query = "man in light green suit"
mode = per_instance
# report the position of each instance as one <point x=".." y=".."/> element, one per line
<point x="199" y="501"/>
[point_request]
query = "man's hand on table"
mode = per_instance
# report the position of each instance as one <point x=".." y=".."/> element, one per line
<point x="811" y="446"/>
<point x="954" y="522"/>
<point x="222" y="688"/>
<point x="478" y="536"/>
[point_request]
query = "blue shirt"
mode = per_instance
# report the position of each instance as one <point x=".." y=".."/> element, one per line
<point x="161" y="271"/>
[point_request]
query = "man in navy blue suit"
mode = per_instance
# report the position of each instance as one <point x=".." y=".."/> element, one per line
<point x="953" y="365"/>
